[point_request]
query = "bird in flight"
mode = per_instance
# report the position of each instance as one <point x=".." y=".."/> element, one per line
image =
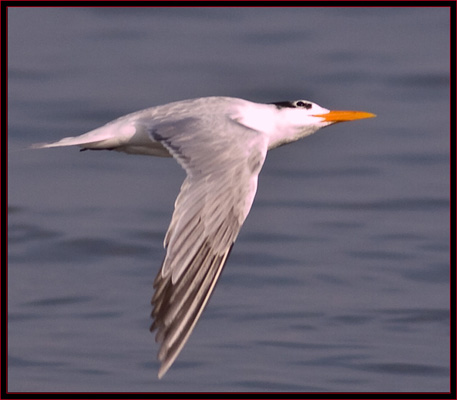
<point x="221" y="142"/>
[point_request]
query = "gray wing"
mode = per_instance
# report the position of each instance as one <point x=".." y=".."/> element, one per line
<point x="222" y="168"/>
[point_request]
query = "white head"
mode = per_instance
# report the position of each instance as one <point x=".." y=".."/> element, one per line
<point x="296" y="119"/>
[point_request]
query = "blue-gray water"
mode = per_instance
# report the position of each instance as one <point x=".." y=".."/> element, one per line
<point x="339" y="280"/>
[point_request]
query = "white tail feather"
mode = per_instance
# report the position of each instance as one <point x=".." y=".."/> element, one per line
<point x="107" y="136"/>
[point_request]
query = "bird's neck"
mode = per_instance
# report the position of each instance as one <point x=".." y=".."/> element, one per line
<point x="271" y="121"/>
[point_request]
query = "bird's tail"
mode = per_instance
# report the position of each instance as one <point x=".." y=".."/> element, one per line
<point x="101" y="138"/>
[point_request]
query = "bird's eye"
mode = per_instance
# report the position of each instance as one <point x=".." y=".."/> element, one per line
<point x="303" y="104"/>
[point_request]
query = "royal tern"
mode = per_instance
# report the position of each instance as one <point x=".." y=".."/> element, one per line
<point x="221" y="142"/>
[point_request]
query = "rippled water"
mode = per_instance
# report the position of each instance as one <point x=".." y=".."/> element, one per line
<point x="339" y="280"/>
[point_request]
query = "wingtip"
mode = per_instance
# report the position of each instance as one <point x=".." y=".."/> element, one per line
<point x="163" y="370"/>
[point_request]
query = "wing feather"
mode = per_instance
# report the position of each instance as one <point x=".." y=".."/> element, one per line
<point x="174" y="335"/>
<point x="213" y="203"/>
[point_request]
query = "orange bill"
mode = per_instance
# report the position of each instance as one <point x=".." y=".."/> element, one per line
<point x="340" y="116"/>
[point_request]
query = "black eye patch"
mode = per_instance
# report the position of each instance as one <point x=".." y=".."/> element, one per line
<point x="303" y="104"/>
<point x="292" y="104"/>
<point x="284" y="104"/>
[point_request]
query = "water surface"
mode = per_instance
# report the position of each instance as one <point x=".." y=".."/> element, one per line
<point x="339" y="280"/>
